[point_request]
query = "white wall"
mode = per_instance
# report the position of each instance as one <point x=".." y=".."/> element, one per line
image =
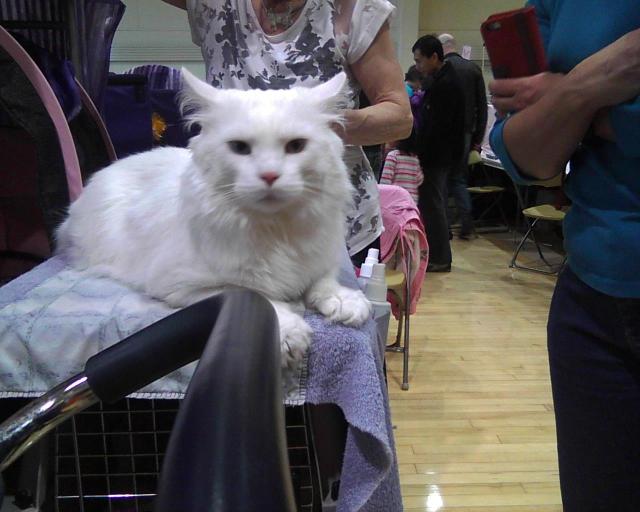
<point x="404" y="29"/>
<point x="153" y="32"/>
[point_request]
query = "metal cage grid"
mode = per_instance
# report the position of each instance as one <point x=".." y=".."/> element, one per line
<point x="108" y="458"/>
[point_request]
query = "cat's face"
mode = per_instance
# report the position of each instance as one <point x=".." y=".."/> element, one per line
<point x="267" y="151"/>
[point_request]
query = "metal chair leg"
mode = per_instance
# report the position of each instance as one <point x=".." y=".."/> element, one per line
<point x="396" y="346"/>
<point x="399" y="333"/>
<point x="519" y="248"/>
<point x="537" y="244"/>
<point x="407" y="311"/>
<point x="514" y="263"/>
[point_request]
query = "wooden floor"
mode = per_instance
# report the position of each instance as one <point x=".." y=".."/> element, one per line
<point x="475" y="432"/>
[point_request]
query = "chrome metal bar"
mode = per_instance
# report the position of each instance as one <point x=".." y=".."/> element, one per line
<point x="31" y="423"/>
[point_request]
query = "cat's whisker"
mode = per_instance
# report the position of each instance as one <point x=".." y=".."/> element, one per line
<point x="318" y="190"/>
<point x="229" y="186"/>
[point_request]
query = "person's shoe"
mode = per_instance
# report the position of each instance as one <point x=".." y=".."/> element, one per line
<point x="466" y="235"/>
<point x="439" y="267"/>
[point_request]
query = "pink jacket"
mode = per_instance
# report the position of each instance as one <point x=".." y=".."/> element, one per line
<point x="403" y="230"/>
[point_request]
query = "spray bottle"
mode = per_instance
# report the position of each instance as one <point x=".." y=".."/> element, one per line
<point x="374" y="286"/>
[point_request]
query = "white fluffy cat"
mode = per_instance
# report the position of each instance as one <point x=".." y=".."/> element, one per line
<point x="257" y="200"/>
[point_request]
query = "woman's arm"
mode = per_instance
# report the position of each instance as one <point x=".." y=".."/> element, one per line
<point x="541" y="138"/>
<point x="182" y="4"/>
<point x="389" y="116"/>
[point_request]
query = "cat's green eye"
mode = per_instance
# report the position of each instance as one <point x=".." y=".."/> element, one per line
<point x="295" y="146"/>
<point x="239" y="147"/>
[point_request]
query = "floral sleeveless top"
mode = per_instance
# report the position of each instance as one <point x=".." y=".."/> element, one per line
<point x="326" y="38"/>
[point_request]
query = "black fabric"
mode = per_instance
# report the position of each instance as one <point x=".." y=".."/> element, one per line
<point x="83" y="28"/>
<point x="594" y="359"/>
<point x="96" y="23"/>
<point x="21" y="102"/>
<point x="432" y="200"/>
<point x="475" y="96"/>
<point x="441" y="137"/>
<point x="59" y="73"/>
<point x="90" y="147"/>
<point x="358" y="258"/>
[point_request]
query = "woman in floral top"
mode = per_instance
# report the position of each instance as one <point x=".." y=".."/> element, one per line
<point x="276" y="44"/>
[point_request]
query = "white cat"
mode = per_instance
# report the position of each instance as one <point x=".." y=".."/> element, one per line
<point x="258" y="200"/>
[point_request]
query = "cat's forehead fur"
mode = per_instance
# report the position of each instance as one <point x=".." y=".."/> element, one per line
<point x="272" y="114"/>
<point x="280" y="110"/>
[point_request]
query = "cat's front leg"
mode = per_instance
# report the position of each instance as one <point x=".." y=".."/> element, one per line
<point x="338" y="303"/>
<point x="295" y="333"/>
<point x="183" y="297"/>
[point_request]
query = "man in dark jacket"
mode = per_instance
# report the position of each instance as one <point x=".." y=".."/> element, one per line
<point x="475" y="123"/>
<point x="440" y="142"/>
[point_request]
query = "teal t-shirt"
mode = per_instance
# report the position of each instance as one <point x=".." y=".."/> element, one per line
<point x="602" y="228"/>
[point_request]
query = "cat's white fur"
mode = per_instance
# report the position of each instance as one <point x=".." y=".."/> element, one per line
<point x="182" y="224"/>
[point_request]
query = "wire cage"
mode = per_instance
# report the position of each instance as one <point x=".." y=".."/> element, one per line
<point x="108" y="458"/>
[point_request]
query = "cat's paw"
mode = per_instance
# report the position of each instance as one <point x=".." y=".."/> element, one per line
<point x="295" y="338"/>
<point x="344" y="305"/>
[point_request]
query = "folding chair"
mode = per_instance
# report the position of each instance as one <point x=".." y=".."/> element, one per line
<point x="486" y="190"/>
<point x="398" y="285"/>
<point x="404" y="249"/>
<point x="532" y="215"/>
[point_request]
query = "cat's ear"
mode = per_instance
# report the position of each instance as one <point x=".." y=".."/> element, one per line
<point x="332" y="95"/>
<point x="196" y="96"/>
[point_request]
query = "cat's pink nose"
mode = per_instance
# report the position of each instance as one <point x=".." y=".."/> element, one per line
<point x="269" y="177"/>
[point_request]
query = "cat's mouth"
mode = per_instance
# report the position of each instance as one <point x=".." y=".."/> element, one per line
<point x="271" y="200"/>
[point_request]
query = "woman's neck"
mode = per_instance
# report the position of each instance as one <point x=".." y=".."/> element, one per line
<point x="277" y="16"/>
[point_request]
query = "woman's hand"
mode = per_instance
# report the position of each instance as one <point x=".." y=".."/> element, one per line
<point x="514" y="94"/>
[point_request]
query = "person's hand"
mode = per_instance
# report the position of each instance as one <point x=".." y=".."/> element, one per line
<point x="514" y="94"/>
<point x="612" y="75"/>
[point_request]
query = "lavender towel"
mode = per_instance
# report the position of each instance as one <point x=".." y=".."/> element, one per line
<point x="53" y="318"/>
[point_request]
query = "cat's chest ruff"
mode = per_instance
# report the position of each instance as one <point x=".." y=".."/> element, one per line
<point x="280" y="269"/>
<point x="283" y="273"/>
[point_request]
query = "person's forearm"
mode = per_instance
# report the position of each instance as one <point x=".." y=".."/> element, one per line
<point x="542" y="138"/>
<point x="383" y="122"/>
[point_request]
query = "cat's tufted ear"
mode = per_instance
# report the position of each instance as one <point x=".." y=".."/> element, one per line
<point x="332" y="95"/>
<point x="196" y="95"/>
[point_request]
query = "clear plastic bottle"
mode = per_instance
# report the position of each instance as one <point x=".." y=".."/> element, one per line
<point x="373" y="284"/>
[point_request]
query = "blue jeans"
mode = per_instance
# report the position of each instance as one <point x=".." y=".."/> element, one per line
<point x="594" y="357"/>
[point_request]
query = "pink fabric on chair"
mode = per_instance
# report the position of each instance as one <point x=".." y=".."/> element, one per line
<point x="403" y="231"/>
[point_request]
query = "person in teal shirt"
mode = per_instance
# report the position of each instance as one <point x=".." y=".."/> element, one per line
<point x="586" y="111"/>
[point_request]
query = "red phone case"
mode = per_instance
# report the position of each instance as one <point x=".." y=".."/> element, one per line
<point x="514" y="43"/>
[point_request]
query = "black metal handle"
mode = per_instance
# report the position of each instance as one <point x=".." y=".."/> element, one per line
<point x="227" y="451"/>
<point x="159" y="349"/>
